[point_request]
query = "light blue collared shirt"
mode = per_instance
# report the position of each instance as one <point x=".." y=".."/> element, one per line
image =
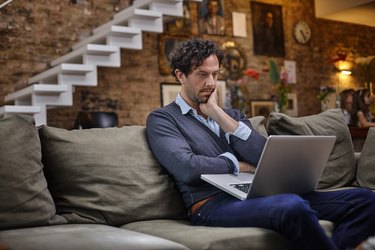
<point x="243" y="132"/>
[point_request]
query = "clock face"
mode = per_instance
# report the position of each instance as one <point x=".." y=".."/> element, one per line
<point x="302" y="32"/>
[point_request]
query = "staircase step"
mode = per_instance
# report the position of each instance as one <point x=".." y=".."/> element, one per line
<point x="123" y="37"/>
<point x="47" y="89"/>
<point x="166" y="7"/>
<point x="20" y="109"/>
<point x="66" y="73"/>
<point x="93" y="54"/>
<point x="51" y="94"/>
<point x="146" y="20"/>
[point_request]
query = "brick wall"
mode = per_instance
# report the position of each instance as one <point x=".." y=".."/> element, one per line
<point x="32" y="33"/>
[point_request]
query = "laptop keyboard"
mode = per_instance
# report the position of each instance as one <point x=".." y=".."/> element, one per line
<point x="244" y="187"/>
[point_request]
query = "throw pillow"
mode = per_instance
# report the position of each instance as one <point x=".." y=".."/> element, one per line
<point x="24" y="198"/>
<point x="366" y="163"/>
<point x="258" y="124"/>
<point x="107" y="176"/>
<point x="340" y="168"/>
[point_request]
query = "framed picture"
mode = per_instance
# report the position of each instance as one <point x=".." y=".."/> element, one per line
<point x="292" y="107"/>
<point x="181" y="25"/>
<point x="167" y="43"/>
<point x="211" y="17"/>
<point x="268" y="34"/>
<point x="262" y="107"/>
<point x="169" y="92"/>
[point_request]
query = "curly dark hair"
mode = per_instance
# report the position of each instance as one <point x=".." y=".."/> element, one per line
<point x="191" y="53"/>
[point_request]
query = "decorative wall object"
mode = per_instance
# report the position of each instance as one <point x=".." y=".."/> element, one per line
<point x="262" y="107"/>
<point x="181" y="25"/>
<point x="239" y="24"/>
<point x="211" y="17"/>
<point x="168" y="92"/>
<point x="167" y="43"/>
<point x="268" y="31"/>
<point x="292" y="105"/>
<point x="234" y="62"/>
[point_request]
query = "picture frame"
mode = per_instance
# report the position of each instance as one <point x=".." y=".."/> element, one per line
<point x="205" y="23"/>
<point x="292" y="105"/>
<point x="181" y="25"/>
<point x="167" y="43"/>
<point x="268" y="33"/>
<point x="169" y="92"/>
<point x="262" y="107"/>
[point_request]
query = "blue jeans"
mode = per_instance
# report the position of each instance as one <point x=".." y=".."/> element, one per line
<point x="297" y="217"/>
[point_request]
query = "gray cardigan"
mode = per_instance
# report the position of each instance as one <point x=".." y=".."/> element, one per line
<point x="187" y="149"/>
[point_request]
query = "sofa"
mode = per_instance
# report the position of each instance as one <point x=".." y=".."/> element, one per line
<point x="102" y="188"/>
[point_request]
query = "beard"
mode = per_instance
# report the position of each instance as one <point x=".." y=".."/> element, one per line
<point x="204" y="95"/>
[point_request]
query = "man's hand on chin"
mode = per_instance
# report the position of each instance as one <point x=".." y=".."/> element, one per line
<point x="211" y="105"/>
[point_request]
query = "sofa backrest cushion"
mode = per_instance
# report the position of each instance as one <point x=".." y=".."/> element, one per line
<point x="258" y="124"/>
<point x="366" y="163"/>
<point x="24" y="198"/>
<point x="340" y="168"/>
<point x="107" y="175"/>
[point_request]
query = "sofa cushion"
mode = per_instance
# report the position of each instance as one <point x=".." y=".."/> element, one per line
<point x="107" y="175"/>
<point x="258" y="124"/>
<point x="366" y="163"/>
<point x="83" y="237"/>
<point x="201" y="237"/>
<point x="340" y="168"/>
<point x="24" y="198"/>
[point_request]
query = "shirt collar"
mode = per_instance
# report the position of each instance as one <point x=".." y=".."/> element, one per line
<point x="185" y="108"/>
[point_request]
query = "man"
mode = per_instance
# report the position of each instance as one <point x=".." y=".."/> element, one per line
<point x="212" y="23"/>
<point x="194" y="136"/>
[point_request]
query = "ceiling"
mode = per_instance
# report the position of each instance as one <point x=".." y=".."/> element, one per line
<point x="351" y="11"/>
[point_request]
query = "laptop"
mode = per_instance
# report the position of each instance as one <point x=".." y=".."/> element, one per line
<point x="288" y="164"/>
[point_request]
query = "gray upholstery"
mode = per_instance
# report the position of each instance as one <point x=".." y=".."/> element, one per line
<point x="258" y="124"/>
<point x="24" y="197"/>
<point x="340" y="169"/>
<point x="218" y="238"/>
<point x="366" y="164"/>
<point x="83" y="237"/>
<point x="107" y="176"/>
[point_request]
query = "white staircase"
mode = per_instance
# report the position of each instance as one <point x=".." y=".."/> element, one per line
<point x="54" y="87"/>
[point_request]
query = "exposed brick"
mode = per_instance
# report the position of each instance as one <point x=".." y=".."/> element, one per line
<point x="33" y="33"/>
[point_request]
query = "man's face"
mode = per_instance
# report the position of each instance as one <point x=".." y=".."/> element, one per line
<point x="212" y="7"/>
<point x="197" y="86"/>
<point x="269" y="19"/>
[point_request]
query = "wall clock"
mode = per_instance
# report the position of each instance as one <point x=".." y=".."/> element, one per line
<point x="302" y="32"/>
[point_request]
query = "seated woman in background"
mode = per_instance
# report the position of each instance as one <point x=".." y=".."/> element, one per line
<point x="360" y="115"/>
<point x="346" y="103"/>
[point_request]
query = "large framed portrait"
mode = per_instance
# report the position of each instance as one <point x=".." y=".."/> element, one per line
<point x="211" y="17"/>
<point x="167" y="43"/>
<point x="181" y="25"/>
<point x="268" y="34"/>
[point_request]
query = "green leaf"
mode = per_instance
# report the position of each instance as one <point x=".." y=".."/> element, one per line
<point x="274" y="73"/>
